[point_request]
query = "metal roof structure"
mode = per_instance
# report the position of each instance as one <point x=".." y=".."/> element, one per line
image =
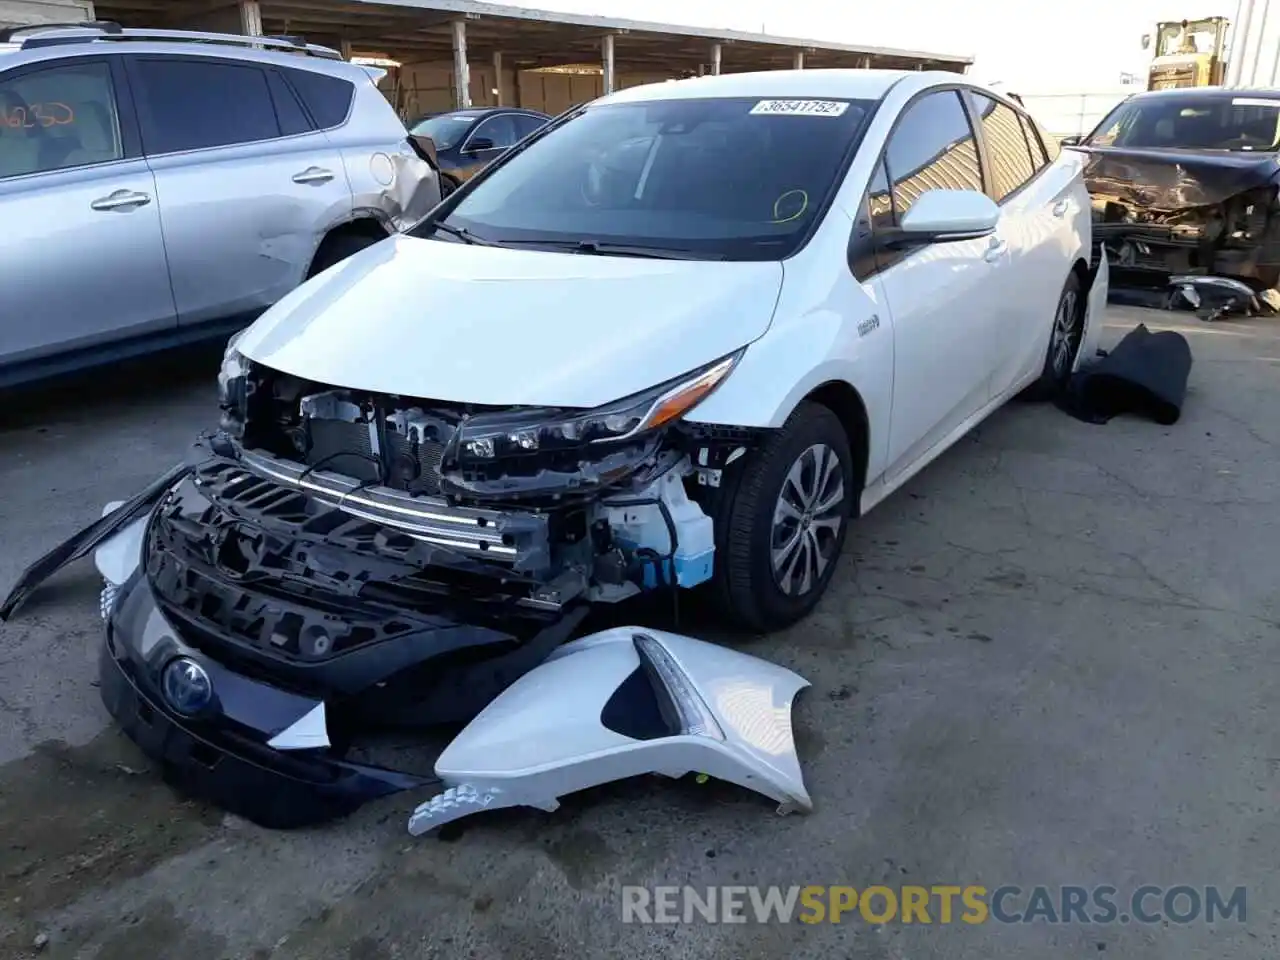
<point x="527" y="37"/>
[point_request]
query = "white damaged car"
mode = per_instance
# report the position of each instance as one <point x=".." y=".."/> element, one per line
<point x="683" y="336"/>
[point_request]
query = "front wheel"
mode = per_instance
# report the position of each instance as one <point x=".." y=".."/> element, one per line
<point x="781" y="522"/>
<point x="1065" y="339"/>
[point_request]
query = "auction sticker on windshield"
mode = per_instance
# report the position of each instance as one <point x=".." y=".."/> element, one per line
<point x="801" y="108"/>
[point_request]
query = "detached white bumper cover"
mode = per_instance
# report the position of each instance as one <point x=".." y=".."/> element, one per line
<point x="722" y="713"/>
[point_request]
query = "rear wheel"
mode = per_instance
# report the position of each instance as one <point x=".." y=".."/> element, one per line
<point x="782" y="521"/>
<point x="337" y="247"/>
<point x="447" y="185"/>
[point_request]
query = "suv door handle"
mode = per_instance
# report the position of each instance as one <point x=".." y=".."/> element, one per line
<point x="1060" y="208"/>
<point x="121" y="200"/>
<point x="313" y="175"/>
<point x="995" y="250"/>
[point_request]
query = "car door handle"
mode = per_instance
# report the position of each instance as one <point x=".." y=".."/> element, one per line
<point x="313" y="175"/>
<point x="1060" y="208"/>
<point x="121" y="200"/>
<point x="995" y="250"/>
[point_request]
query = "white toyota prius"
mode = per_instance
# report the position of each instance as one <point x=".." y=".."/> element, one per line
<point x="682" y="336"/>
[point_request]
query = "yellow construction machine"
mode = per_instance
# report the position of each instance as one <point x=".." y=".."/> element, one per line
<point x="1189" y="53"/>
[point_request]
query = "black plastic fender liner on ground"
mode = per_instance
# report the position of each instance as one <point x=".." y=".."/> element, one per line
<point x="1146" y="373"/>
<point x="80" y="545"/>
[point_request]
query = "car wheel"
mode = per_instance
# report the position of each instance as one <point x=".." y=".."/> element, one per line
<point x="337" y="248"/>
<point x="1065" y="339"/>
<point x="781" y="521"/>
<point x="447" y="185"/>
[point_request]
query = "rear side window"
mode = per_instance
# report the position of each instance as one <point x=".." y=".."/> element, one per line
<point x="293" y="120"/>
<point x="526" y="124"/>
<point x="1006" y="147"/>
<point x="932" y="148"/>
<point x="327" y="99"/>
<point x="1039" y="158"/>
<point x="197" y="104"/>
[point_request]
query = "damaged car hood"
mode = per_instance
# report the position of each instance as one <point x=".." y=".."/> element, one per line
<point x="1167" y="180"/>
<point x="488" y="325"/>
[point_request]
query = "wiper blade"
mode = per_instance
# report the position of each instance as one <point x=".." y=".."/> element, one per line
<point x="599" y="248"/>
<point x="466" y="236"/>
<point x="653" y="253"/>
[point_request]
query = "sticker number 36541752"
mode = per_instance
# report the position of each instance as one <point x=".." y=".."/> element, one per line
<point x="801" y="108"/>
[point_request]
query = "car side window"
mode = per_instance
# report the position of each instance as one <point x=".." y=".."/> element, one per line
<point x="526" y="124"/>
<point x="1006" y="147"/>
<point x="293" y="119"/>
<point x="327" y="99"/>
<point x="932" y="147"/>
<point x="58" y="118"/>
<point x="880" y="199"/>
<point x="196" y="104"/>
<point x="1039" y="158"/>
<point x="501" y="129"/>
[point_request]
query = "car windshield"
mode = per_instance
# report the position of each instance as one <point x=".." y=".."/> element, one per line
<point x="444" y="130"/>
<point x="1243" y="123"/>
<point x="726" y="178"/>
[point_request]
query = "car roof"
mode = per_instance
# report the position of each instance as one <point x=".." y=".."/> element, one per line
<point x="1220" y="93"/>
<point x="93" y="46"/>
<point x="843" y="84"/>
<point x="480" y="112"/>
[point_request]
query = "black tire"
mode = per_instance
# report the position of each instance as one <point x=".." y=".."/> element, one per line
<point x="1057" y="364"/>
<point x="337" y="247"/>
<point x="748" y="591"/>
<point x="447" y="185"/>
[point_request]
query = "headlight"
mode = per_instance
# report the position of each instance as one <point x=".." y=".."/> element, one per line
<point x="233" y="377"/>
<point x="489" y="436"/>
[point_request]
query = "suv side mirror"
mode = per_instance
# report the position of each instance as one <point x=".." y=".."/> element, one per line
<point x="1070" y="141"/>
<point x="478" y="144"/>
<point x="944" y="216"/>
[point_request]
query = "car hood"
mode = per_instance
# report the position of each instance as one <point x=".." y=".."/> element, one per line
<point x="1166" y="180"/>
<point x="489" y="325"/>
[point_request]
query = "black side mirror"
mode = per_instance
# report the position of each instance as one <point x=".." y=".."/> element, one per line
<point x="478" y="144"/>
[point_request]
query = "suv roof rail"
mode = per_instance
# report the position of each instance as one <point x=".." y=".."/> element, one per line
<point x="103" y="26"/>
<point x="49" y="35"/>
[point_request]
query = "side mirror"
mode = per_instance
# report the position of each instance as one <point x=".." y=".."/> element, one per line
<point x="944" y="216"/>
<point x="1069" y="141"/>
<point x="478" y="144"/>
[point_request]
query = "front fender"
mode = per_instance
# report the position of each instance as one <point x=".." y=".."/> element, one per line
<point x="796" y="357"/>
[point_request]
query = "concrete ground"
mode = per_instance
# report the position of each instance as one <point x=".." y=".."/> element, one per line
<point x="1049" y="660"/>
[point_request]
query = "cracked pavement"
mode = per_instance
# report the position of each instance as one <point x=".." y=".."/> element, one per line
<point x="1050" y="659"/>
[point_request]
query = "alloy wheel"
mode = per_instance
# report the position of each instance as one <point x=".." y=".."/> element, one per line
<point x="807" y="520"/>
<point x="1066" y="336"/>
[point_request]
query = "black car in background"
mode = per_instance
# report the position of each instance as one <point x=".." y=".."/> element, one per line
<point x="1186" y="181"/>
<point x="467" y="139"/>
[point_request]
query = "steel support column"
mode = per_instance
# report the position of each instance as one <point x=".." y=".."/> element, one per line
<point x="606" y="47"/>
<point x="497" y="78"/>
<point x="716" y="58"/>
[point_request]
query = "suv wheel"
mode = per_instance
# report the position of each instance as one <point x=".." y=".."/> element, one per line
<point x="781" y="524"/>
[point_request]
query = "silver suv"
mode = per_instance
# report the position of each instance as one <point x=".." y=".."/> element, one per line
<point x="160" y="186"/>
